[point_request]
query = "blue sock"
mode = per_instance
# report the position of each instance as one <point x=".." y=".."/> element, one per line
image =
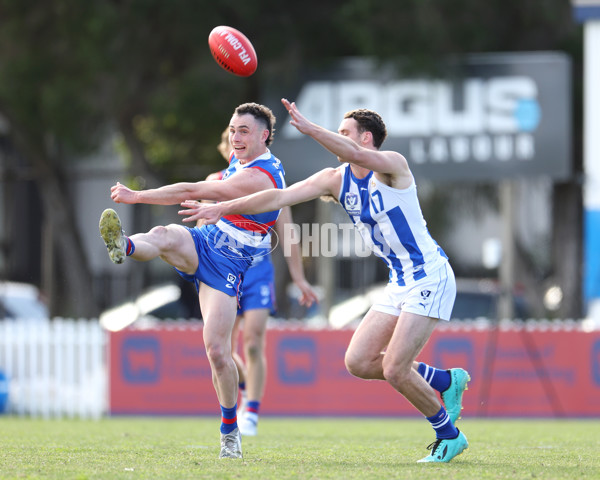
<point x="228" y="419"/>
<point x="242" y="386"/>
<point x="253" y="406"/>
<point x="442" y="425"/>
<point x="438" y="379"/>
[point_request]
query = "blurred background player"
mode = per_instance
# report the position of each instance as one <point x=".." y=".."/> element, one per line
<point x="378" y="191"/>
<point x="256" y="304"/>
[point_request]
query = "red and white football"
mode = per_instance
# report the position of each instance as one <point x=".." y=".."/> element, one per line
<point x="233" y="51"/>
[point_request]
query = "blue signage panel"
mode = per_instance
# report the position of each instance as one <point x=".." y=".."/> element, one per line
<point x="141" y="359"/>
<point x="591" y="267"/>
<point x="584" y="10"/>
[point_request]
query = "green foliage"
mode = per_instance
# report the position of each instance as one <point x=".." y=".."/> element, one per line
<point x="42" y="83"/>
<point x="67" y="67"/>
<point x="168" y="448"/>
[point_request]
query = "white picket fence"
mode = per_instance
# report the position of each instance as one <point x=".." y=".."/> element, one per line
<point x="54" y="368"/>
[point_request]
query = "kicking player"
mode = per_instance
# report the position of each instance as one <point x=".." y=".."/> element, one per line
<point x="255" y="306"/>
<point x="378" y="191"/>
<point x="213" y="257"/>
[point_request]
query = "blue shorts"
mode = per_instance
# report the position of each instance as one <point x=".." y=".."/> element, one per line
<point x="220" y="271"/>
<point x="259" y="287"/>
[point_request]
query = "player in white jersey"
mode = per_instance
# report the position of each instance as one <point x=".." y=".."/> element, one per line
<point x="378" y="191"/>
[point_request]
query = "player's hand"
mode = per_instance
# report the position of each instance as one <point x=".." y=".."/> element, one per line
<point x="121" y="194"/>
<point x="309" y="295"/>
<point x="202" y="213"/>
<point x="298" y="120"/>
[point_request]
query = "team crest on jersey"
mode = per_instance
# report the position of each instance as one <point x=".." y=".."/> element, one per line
<point x="351" y="203"/>
<point x="424" y="297"/>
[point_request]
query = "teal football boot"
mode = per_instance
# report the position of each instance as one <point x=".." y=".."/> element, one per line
<point x="453" y="395"/>
<point x="443" y="449"/>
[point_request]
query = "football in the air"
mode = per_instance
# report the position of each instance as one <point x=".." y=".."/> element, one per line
<point x="233" y="51"/>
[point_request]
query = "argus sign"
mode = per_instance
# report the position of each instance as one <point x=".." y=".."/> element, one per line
<point x="503" y="105"/>
<point x="488" y="117"/>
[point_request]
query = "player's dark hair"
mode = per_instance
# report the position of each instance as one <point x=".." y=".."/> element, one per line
<point x="369" y="121"/>
<point x="261" y="113"/>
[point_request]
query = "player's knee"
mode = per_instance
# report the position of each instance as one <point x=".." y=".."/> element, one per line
<point x="395" y="375"/>
<point x="217" y="355"/>
<point x="163" y="238"/>
<point x="253" y="349"/>
<point x="355" y="366"/>
<point x="159" y="235"/>
<point x="253" y="343"/>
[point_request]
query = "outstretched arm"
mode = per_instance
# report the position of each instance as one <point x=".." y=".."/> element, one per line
<point x="346" y="149"/>
<point x="325" y="182"/>
<point x="294" y="259"/>
<point x="246" y="182"/>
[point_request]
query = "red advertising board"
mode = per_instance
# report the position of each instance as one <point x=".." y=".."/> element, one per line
<point x="516" y="372"/>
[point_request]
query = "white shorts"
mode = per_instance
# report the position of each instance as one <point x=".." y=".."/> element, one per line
<point x="432" y="296"/>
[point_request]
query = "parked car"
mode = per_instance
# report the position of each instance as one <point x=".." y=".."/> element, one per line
<point x="475" y="299"/>
<point x="163" y="302"/>
<point x="21" y="301"/>
<point x="479" y="298"/>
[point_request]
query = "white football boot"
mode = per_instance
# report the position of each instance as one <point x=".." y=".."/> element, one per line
<point x="231" y="444"/>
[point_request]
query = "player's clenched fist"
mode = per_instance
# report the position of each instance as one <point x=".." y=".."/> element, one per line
<point x="121" y="194"/>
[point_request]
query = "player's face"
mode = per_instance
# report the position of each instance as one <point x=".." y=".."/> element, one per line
<point x="349" y="128"/>
<point x="247" y="137"/>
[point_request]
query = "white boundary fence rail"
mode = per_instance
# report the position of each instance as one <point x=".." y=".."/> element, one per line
<point x="54" y="368"/>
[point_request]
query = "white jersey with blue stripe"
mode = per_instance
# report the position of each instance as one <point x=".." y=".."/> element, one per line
<point x="390" y="221"/>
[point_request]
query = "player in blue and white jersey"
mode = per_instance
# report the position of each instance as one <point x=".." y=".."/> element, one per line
<point x="213" y="257"/>
<point x="378" y="191"/>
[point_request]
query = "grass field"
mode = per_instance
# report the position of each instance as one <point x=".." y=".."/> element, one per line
<point x="286" y="448"/>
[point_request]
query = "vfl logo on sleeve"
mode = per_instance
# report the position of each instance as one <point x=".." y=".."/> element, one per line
<point x="351" y="203"/>
<point x="424" y="297"/>
<point x="231" y="278"/>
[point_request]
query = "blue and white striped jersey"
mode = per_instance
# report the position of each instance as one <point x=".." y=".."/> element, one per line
<point x="390" y="221"/>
